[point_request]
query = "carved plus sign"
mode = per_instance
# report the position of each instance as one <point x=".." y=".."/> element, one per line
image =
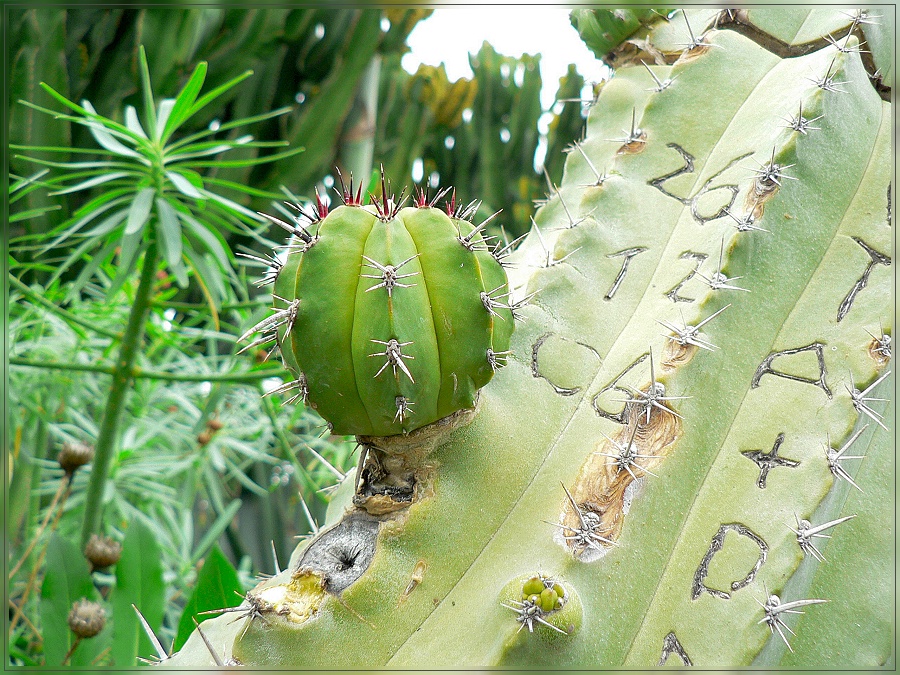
<point x="768" y="460"/>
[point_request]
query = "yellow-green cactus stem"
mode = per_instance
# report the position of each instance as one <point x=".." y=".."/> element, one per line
<point x="390" y="318"/>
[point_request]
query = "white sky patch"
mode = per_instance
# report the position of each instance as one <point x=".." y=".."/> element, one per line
<point x="450" y="34"/>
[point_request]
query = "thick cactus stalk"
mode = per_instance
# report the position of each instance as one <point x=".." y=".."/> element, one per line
<point x="699" y="393"/>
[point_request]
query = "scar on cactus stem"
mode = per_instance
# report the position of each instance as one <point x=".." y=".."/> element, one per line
<point x="387" y="316"/>
<point x="297" y="600"/>
<point x="547" y="606"/>
<point x="769" y="177"/>
<point x="594" y="513"/>
<point x="393" y="471"/>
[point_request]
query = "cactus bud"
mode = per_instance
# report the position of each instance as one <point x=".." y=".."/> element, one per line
<point x="544" y="605"/>
<point x="389" y="314"/>
<point x="102" y="552"/>
<point x="86" y="618"/>
<point x="74" y="455"/>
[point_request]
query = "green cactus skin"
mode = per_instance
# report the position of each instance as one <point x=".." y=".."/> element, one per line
<point x="399" y="315"/>
<point x="783" y="370"/>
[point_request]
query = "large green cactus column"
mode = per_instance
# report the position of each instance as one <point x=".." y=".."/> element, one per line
<point x="706" y="358"/>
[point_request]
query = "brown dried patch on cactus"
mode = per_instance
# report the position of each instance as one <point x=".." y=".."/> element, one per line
<point x="677" y="354"/>
<point x="633" y="51"/>
<point x="695" y="52"/>
<point x="880" y="349"/>
<point x="634" y="146"/>
<point x="603" y="488"/>
<point x="769" y="178"/>
<point x="757" y="198"/>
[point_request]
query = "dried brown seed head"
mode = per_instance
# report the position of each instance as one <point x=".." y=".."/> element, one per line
<point x="86" y="618"/>
<point x="102" y="552"/>
<point x="74" y="455"/>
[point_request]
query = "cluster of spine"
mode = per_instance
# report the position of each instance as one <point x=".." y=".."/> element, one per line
<point x="389" y="317"/>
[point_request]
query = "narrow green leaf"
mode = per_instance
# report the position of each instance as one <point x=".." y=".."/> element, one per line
<point x="204" y="100"/>
<point x="147" y="87"/>
<point x="59" y="269"/>
<point x="185" y="100"/>
<point x="91" y="182"/>
<point x="90" y="269"/>
<point x="169" y="230"/>
<point x="216" y="588"/>
<point x="132" y="121"/>
<point x="90" y="117"/>
<point x="32" y="213"/>
<point x="242" y="122"/>
<point x="206" y="150"/>
<point x="232" y="207"/>
<point x="165" y="109"/>
<point x="218" y="527"/>
<point x="84" y="220"/>
<point x="139" y="582"/>
<point x="183" y="185"/>
<point x="66" y="580"/>
<point x="107" y="225"/>
<point x="250" y="161"/>
<point x="102" y="164"/>
<point x="23" y="182"/>
<point x="140" y="210"/>
<point x="246" y="189"/>
<point x="132" y="246"/>
<point x="54" y="148"/>
<point x="209" y="238"/>
<point x="210" y="284"/>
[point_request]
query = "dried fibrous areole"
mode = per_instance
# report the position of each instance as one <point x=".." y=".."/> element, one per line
<point x="389" y="317"/>
<point x="86" y="618"/>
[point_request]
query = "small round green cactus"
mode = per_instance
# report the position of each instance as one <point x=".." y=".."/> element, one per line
<point x="543" y="604"/>
<point x="389" y="317"/>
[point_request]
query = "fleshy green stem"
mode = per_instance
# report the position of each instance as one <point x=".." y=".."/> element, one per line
<point x="115" y="402"/>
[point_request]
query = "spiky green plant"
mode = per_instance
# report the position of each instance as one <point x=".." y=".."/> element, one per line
<point x="699" y="392"/>
<point x="419" y="286"/>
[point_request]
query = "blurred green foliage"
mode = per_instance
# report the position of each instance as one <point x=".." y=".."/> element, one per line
<point x="315" y="61"/>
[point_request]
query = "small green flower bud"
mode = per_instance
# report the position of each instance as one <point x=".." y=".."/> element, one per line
<point x="532" y="586"/>
<point x="548" y="599"/>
